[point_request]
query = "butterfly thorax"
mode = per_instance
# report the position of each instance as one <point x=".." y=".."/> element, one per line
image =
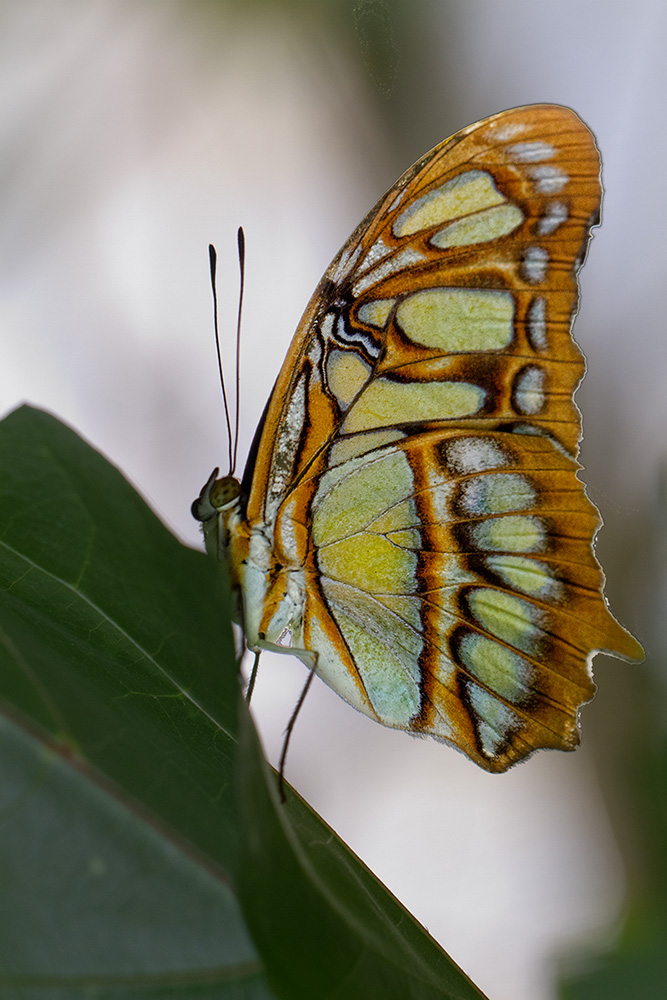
<point x="265" y="580"/>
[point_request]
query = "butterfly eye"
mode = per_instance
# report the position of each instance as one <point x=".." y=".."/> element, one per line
<point x="224" y="492"/>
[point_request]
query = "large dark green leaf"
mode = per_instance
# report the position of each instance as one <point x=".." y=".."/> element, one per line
<point x="326" y="927"/>
<point x="118" y="685"/>
<point x="140" y="838"/>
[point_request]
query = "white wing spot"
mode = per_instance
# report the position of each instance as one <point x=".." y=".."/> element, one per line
<point x="375" y="254"/>
<point x="530" y="152"/>
<point x="326" y="326"/>
<point x="555" y="215"/>
<point x="537" y="324"/>
<point x="534" y="264"/>
<point x="528" y="396"/>
<point x="403" y="260"/>
<point x="548" y="180"/>
<point x="466" y="455"/>
<point x="507" y="131"/>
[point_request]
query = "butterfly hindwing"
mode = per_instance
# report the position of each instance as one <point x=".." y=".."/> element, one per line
<point x="451" y="574"/>
<point x="414" y="520"/>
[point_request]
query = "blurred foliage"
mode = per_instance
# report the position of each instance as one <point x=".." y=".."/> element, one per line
<point x="637" y="965"/>
<point x="632" y="755"/>
<point x="390" y="43"/>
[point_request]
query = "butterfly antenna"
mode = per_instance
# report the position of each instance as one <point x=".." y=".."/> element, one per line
<point x="213" y="261"/>
<point x="288" y="733"/>
<point x="240" y="237"/>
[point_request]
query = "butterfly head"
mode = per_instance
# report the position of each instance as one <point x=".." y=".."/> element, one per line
<point x="215" y="506"/>
<point x="217" y="495"/>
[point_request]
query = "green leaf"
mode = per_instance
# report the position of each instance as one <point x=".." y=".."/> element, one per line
<point x="324" y="924"/>
<point x="115" y="634"/>
<point x="118" y="688"/>
<point x="99" y="901"/>
<point x="140" y="838"/>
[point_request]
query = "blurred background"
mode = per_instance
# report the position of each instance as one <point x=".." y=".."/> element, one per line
<point x="135" y="132"/>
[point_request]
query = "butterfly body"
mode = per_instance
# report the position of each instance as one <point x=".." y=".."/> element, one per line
<point x="411" y="517"/>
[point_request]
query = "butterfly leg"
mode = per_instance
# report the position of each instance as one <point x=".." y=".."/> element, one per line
<point x="308" y="657"/>
<point x="288" y="733"/>
<point x="253" y="677"/>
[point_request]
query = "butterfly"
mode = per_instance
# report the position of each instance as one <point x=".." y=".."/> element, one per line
<point x="410" y="522"/>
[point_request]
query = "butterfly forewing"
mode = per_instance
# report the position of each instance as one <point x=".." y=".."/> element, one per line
<point x="416" y="475"/>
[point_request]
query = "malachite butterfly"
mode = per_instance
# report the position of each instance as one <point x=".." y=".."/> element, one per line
<point x="410" y="522"/>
